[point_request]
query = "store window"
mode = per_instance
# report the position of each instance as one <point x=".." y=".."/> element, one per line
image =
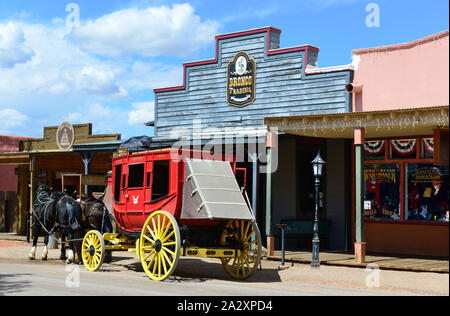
<point x="382" y="191"/>
<point x="402" y="182"/>
<point x="427" y="191"/>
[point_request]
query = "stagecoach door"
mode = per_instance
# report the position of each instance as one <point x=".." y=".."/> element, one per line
<point x="134" y="192"/>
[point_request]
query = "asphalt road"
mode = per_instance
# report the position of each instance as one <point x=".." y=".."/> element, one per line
<point x="201" y="277"/>
<point x="41" y="279"/>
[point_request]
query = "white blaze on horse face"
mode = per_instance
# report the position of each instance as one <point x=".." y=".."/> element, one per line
<point x="32" y="254"/>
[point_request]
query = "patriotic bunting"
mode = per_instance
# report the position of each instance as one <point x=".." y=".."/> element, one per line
<point x="374" y="148"/>
<point x="404" y="147"/>
<point x="428" y="144"/>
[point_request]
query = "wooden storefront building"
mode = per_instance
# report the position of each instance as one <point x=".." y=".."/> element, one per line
<point x="68" y="158"/>
<point x="221" y="106"/>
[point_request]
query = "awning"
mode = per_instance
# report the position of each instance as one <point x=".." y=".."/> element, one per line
<point x="403" y="122"/>
<point x="14" y="159"/>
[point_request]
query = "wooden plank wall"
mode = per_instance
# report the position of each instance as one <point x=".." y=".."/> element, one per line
<point x="282" y="88"/>
<point x="83" y="135"/>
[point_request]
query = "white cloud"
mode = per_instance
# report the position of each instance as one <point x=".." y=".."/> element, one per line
<point x="12" y="48"/>
<point x="151" y="75"/>
<point x="59" y="67"/>
<point x="93" y="80"/>
<point x="149" y="32"/>
<point x="11" y="118"/>
<point x="143" y="112"/>
<point x="104" y="119"/>
<point x="55" y="74"/>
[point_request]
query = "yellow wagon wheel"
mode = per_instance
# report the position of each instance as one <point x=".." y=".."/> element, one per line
<point x="93" y="250"/>
<point x="246" y="235"/>
<point x="159" y="245"/>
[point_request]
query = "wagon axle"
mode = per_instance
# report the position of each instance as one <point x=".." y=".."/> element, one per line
<point x="157" y="245"/>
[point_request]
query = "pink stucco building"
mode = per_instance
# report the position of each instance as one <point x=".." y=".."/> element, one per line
<point x="405" y="170"/>
<point x="8" y="178"/>
<point x="398" y="126"/>
<point x="403" y="76"/>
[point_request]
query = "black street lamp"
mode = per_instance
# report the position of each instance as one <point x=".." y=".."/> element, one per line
<point x="318" y="164"/>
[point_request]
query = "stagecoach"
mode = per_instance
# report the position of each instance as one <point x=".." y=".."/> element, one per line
<point x="177" y="203"/>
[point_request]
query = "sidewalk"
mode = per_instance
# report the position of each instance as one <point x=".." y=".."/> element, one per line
<point x="13" y="237"/>
<point x="330" y="258"/>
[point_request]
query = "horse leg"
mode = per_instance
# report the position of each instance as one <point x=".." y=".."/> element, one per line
<point x="45" y="253"/>
<point x="77" y="248"/>
<point x="63" y="247"/>
<point x="36" y="232"/>
<point x="70" y="257"/>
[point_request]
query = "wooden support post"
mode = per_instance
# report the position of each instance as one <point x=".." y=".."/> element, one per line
<point x="32" y="195"/>
<point x="271" y="143"/>
<point x="360" y="245"/>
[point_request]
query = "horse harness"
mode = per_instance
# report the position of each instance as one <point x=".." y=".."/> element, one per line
<point x="46" y="201"/>
<point x="91" y="215"/>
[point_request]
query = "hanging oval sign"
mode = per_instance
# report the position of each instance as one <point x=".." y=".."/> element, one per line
<point x="65" y="136"/>
<point x="241" y="80"/>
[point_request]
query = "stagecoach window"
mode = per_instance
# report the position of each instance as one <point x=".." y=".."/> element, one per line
<point x="160" y="184"/>
<point x="136" y="176"/>
<point x="118" y="173"/>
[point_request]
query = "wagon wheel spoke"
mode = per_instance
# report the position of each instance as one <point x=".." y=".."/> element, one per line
<point x="93" y="250"/>
<point x="247" y="235"/>
<point x="148" y="239"/>
<point x="151" y="261"/>
<point x="163" y="227"/>
<point x="151" y="232"/>
<point x="164" y="245"/>
<point x="149" y="255"/>
<point x="167" y="237"/>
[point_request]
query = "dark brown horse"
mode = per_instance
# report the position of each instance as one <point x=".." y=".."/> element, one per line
<point x="57" y="212"/>
<point x="97" y="217"/>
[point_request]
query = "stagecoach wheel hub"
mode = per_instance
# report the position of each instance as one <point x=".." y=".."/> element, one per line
<point x="246" y="238"/>
<point x="159" y="245"/>
<point x="93" y="250"/>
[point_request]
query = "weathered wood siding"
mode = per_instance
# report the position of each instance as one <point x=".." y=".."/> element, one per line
<point x="282" y="88"/>
<point x="83" y="135"/>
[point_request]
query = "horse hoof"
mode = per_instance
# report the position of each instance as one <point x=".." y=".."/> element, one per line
<point x="32" y="254"/>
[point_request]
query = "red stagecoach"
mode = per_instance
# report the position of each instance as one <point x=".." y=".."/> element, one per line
<point x="169" y="204"/>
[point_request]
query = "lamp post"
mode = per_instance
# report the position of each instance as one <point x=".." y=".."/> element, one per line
<point x="318" y="163"/>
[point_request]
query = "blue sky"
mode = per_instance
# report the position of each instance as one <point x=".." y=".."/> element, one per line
<point x="104" y="70"/>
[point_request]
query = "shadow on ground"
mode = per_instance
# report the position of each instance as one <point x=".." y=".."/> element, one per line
<point x="11" y="284"/>
<point x="195" y="270"/>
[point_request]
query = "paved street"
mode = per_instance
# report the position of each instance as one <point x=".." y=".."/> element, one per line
<point x="196" y="277"/>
